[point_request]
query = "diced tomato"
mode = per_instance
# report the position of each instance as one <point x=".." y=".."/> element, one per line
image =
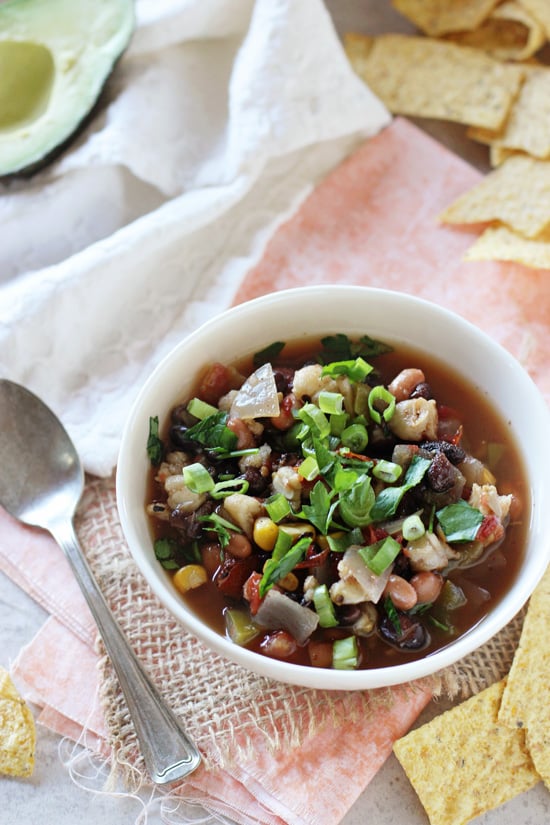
<point x="490" y="530"/>
<point x="251" y="592"/>
<point x="313" y="558"/>
<point x="285" y="419"/>
<point x="232" y="575"/>
<point x="217" y="381"/>
<point x="374" y="534"/>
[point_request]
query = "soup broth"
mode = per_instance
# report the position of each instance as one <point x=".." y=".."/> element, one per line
<point x="477" y="575"/>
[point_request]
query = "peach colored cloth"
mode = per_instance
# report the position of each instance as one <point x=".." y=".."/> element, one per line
<point x="373" y="222"/>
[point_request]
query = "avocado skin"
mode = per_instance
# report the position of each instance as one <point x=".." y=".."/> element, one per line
<point x="74" y="37"/>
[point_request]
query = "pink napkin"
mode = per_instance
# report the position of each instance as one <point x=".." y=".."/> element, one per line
<point x="373" y="222"/>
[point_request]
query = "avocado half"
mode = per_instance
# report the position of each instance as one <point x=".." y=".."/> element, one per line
<point x="55" y="57"/>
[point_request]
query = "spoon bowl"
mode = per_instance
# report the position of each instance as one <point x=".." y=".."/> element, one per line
<point x="41" y="482"/>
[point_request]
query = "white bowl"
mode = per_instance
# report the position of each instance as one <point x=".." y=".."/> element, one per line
<point x="321" y="310"/>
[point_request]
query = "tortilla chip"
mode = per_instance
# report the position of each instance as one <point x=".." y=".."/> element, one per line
<point x="497" y="154"/>
<point x="528" y="127"/>
<point x="541" y="10"/>
<point x="538" y="744"/>
<point x="437" y="17"/>
<point x="464" y="763"/>
<point x="525" y="700"/>
<point x="501" y="244"/>
<point x="516" y="194"/>
<point x="509" y="33"/>
<point x="17" y="731"/>
<point x="432" y="78"/>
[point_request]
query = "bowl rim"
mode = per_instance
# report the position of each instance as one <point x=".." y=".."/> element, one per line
<point x="304" y="675"/>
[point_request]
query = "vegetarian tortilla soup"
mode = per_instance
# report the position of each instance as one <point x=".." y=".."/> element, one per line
<point x="337" y="503"/>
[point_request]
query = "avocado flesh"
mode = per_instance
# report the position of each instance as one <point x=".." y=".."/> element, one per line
<point x="55" y="57"/>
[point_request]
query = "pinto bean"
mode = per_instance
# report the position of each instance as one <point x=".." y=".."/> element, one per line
<point x="427" y="585"/>
<point x="401" y="592"/>
<point x="245" y="438"/>
<point x="239" y="546"/>
<point x="320" y="653"/>
<point x="278" y="645"/>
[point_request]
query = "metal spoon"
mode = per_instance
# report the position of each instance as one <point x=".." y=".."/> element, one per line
<point x="41" y="482"/>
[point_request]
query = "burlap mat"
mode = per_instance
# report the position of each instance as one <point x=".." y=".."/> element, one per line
<point x="218" y="701"/>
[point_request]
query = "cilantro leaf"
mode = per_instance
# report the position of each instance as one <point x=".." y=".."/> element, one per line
<point x="213" y="433"/>
<point x="172" y="555"/>
<point x="320" y="509"/>
<point x="155" y="447"/>
<point x="269" y="353"/>
<point x="459" y="522"/>
<point x="339" y="348"/>
<point x="221" y="527"/>
<point x="389" y="498"/>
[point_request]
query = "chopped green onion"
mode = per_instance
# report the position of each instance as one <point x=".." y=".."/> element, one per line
<point x="355" y="437"/>
<point x="197" y="478"/>
<point x="324" y="607"/>
<point x="200" y="409"/>
<point x="387" y="471"/>
<point x="356" y="370"/>
<point x="276" y="569"/>
<point x="381" y="394"/>
<point x="222" y="489"/>
<point x="413" y="528"/>
<point x="155" y="447"/>
<point x="380" y="555"/>
<point x="344" y="479"/>
<point x="331" y="403"/>
<point x="315" y="419"/>
<point x="345" y="653"/>
<point x="283" y="543"/>
<point x="338" y="423"/>
<point x="277" y="507"/>
<point x="356" y="503"/>
<point x="309" y="469"/>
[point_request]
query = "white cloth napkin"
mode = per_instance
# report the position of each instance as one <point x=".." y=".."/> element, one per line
<point x="223" y="115"/>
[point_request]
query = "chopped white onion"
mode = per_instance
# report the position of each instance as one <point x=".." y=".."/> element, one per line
<point x="258" y="397"/>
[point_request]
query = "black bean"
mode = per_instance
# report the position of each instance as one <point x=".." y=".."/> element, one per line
<point x="188" y="524"/>
<point x="348" y="614"/>
<point x="422" y="390"/>
<point x="441" y="473"/>
<point x="257" y="483"/>
<point x="454" y="453"/>
<point x="284" y="377"/>
<point x="178" y="437"/>
<point x="411" y="634"/>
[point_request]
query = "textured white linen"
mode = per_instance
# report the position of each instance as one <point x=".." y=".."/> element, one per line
<point x="223" y="115"/>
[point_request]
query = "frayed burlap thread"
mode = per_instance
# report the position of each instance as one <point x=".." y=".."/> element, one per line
<point x="221" y="703"/>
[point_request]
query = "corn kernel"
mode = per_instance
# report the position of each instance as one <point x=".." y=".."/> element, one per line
<point x="299" y="529"/>
<point x="265" y="533"/>
<point x="189" y="577"/>
<point x="289" y="582"/>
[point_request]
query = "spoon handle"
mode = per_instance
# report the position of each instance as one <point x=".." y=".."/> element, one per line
<point x="168" y="752"/>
